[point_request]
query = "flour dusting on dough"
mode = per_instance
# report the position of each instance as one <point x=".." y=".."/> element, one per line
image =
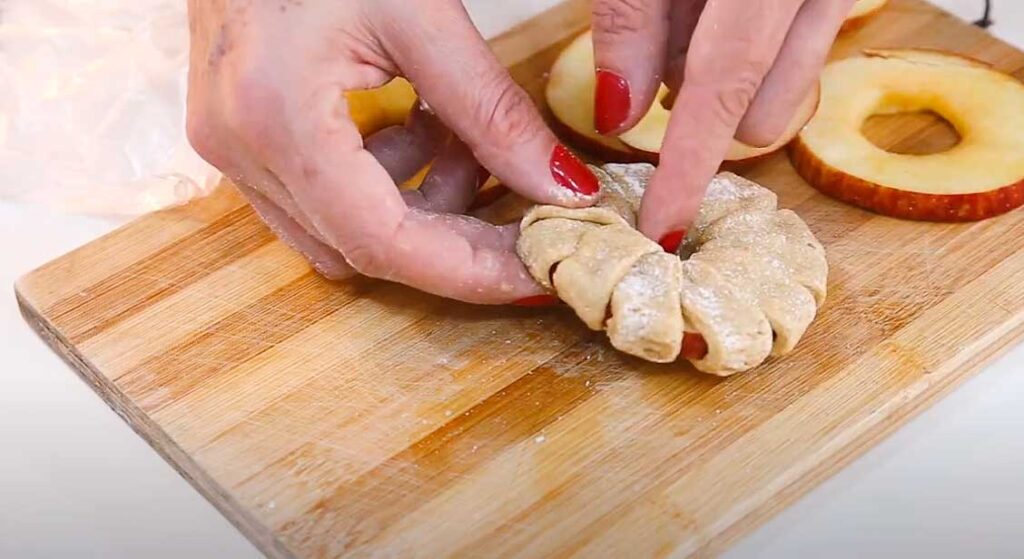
<point x="750" y="289"/>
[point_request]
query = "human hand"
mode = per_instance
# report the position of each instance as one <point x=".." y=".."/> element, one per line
<point x="267" y="107"/>
<point x="739" y="68"/>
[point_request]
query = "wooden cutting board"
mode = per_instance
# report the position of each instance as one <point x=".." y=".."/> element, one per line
<point x="367" y="419"/>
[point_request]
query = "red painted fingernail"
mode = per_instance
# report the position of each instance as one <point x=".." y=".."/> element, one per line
<point x="694" y="346"/>
<point x="671" y="241"/>
<point x="571" y="173"/>
<point x="612" y="101"/>
<point x="538" y="301"/>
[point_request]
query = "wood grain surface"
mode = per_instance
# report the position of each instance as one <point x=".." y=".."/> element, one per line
<point x="367" y="419"/>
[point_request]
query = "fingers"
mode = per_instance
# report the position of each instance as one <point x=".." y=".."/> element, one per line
<point x="461" y="258"/>
<point x="795" y="71"/>
<point x="683" y="18"/>
<point x="286" y="108"/>
<point x="353" y="202"/>
<point x="440" y="51"/>
<point x="452" y="183"/>
<point x="404" y="150"/>
<point x="324" y="259"/>
<point x="732" y="49"/>
<point x="630" y="37"/>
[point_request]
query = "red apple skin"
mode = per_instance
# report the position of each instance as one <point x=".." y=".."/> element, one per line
<point x="597" y="150"/>
<point x="734" y="166"/>
<point x="648" y="156"/>
<point x="745" y="164"/>
<point x="916" y="206"/>
<point x="695" y="347"/>
<point x="886" y="53"/>
<point x="727" y="165"/>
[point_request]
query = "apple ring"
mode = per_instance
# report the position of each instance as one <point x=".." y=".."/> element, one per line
<point x="751" y="287"/>
<point x="981" y="177"/>
<point x="570" y="97"/>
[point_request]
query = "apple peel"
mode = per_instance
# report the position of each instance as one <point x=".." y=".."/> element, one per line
<point x="570" y="98"/>
<point x="981" y="177"/>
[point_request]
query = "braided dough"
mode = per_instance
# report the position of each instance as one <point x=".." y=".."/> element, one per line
<point x="749" y="278"/>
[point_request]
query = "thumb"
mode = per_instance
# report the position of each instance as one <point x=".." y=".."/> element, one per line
<point x="437" y="47"/>
<point x="630" y="37"/>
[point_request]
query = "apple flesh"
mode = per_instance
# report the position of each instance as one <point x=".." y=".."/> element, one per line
<point x="981" y="177"/>
<point x="570" y="97"/>
<point x="646" y="137"/>
<point x="861" y="12"/>
<point x="373" y="110"/>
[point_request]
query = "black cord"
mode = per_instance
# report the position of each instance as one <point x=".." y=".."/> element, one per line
<point x="986" y="19"/>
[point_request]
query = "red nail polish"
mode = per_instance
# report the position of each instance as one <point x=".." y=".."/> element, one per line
<point x="694" y="346"/>
<point x="612" y="101"/>
<point x="538" y="301"/>
<point x="671" y="241"/>
<point x="571" y="173"/>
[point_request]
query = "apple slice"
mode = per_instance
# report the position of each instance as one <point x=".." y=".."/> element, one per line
<point x="861" y="12"/>
<point x="648" y="134"/>
<point x="981" y="177"/>
<point x="570" y="96"/>
<point x="375" y="109"/>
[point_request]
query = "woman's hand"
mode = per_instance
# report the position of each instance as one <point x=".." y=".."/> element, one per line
<point x="267" y="107"/>
<point x="739" y="68"/>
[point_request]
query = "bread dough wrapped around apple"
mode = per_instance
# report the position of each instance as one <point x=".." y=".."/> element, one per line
<point x="746" y="285"/>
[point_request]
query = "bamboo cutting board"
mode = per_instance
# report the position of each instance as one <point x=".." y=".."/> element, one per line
<point x="367" y="419"/>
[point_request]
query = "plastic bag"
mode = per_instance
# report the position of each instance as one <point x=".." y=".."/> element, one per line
<point x="92" y="106"/>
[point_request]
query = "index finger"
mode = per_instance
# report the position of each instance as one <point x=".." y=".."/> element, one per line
<point x="731" y="51"/>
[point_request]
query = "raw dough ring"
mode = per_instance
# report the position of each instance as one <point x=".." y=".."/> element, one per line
<point x="751" y="286"/>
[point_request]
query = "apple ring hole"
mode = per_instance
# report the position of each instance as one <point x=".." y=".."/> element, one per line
<point x="919" y="132"/>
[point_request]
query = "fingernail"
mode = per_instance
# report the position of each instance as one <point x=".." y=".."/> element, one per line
<point x="671" y="241"/>
<point x="612" y="101"/>
<point x="538" y="301"/>
<point x="571" y="173"/>
<point x="694" y="346"/>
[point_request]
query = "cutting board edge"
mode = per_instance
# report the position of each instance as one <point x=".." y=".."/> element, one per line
<point x="154" y="436"/>
<point x="858" y="442"/>
<point x="718" y="543"/>
<point x="857" y="446"/>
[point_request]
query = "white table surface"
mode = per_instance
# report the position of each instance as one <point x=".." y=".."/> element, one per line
<point x="75" y="481"/>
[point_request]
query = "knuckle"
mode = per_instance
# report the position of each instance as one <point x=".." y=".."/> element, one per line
<point x="334" y="270"/>
<point x="369" y="259"/>
<point x="619" y="17"/>
<point x="732" y="99"/>
<point x="507" y="113"/>
<point x="253" y="102"/>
